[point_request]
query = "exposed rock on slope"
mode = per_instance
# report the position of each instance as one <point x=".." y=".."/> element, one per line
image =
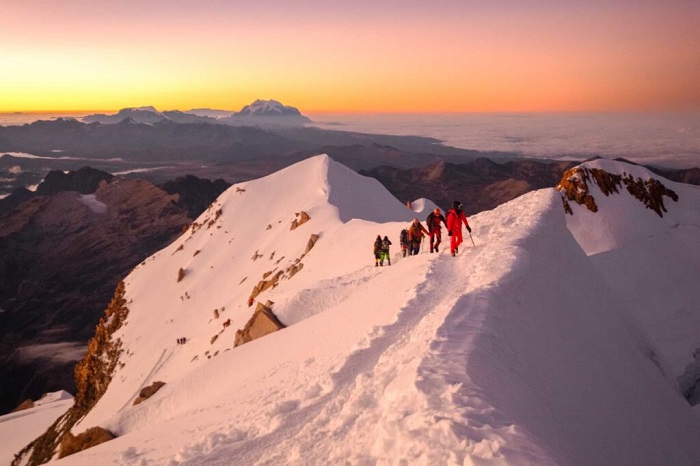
<point x="575" y="186"/>
<point x="263" y="322"/>
<point x="92" y="376"/>
<point x="92" y="437"/>
<point x="61" y="256"/>
<point x="148" y="392"/>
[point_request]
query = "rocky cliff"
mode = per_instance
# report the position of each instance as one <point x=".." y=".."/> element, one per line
<point x="61" y="256"/>
<point x="92" y="376"/>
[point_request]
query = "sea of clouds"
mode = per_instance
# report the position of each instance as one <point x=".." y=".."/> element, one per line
<point x="666" y="139"/>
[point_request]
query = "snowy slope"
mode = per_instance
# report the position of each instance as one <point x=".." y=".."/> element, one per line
<point x="651" y="262"/>
<point x="19" y="428"/>
<point x="517" y="351"/>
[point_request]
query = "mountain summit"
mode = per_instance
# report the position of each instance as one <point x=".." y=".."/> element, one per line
<point x="268" y="108"/>
<point x="268" y="112"/>
<point x="520" y="350"/>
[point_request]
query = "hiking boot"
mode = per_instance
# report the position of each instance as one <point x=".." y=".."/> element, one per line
<point x="431" y="251"/>
<point x="436" y="249"/>
<point x="456" y="250"/>
<point x="453" y="253"/>
<point x="389" y="262"/>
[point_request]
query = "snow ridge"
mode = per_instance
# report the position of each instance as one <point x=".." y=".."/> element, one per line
<point x="523" y="349"/>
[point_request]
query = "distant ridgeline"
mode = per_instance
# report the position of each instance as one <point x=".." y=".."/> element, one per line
<point x="260" y="113"/>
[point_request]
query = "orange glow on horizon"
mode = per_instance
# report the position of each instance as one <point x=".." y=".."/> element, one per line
<point x="360" y="58"/>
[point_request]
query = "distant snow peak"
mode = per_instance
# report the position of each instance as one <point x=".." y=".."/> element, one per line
<point x="576" y="186"/>
<point x="268" y="108"/>
<point x="267" y="113"/>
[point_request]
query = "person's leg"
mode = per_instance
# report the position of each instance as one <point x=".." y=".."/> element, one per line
<point x="438" y="239"/>
<point x="432" y="239"/>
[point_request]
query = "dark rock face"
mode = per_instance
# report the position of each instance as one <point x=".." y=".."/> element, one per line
<point x="478" y="185"/>
<point x="85" y="181"/>
<point x="61" y="256"/>
<point x="195" y="193"/>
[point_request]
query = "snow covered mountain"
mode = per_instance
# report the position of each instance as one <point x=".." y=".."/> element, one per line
<point x="268" y="113"/>
<point x="258" y="113"/>
<point x="555" y="339"/>
<point x="268" y="107"/>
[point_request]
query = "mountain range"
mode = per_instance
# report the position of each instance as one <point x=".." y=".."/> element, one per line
<point x="566" y="333"/>
<point x="259" y="113"/>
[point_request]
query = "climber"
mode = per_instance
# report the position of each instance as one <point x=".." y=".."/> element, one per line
<point x="455" y="217"/>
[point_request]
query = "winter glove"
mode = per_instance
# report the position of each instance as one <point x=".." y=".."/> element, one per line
<point x="449" y="233"/>
<point x="469" y="229"/>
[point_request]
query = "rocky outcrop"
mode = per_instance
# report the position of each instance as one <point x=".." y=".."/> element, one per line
<point x="272" y="277"/>
<point x="311" y="243"/>
<point x="263" y="322"/>
<point x="92" y="376"/>
<point x="575" y="187"/>
<point x="60" y="262"/>
<point x="26" y="404"/>
<point x="301" y="218"/>
<point x="265" y="284"/>
<point x="148" y="392"/>
<point x="92" y="437"/>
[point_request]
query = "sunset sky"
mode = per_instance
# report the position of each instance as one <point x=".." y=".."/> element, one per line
<point x="351" y="56"/>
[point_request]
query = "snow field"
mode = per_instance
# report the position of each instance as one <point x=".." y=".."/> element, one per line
<point x="19" y="428"/>
<point x="517" y="351"/>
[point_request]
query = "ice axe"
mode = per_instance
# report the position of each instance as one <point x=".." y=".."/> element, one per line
<point x="470" y="237"/>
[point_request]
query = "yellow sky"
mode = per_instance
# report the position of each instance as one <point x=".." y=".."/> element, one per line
<point x="362" y="56"/>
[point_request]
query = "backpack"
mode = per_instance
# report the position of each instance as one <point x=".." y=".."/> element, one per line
<point x="385" y="245"/>
<point x="417" y="232"/>
<point x="433" y="221"/>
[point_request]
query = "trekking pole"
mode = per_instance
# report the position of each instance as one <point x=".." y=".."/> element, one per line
<point x="470" y="237"/>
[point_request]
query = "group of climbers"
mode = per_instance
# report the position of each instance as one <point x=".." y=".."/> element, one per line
<point x="411" y="238"/>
